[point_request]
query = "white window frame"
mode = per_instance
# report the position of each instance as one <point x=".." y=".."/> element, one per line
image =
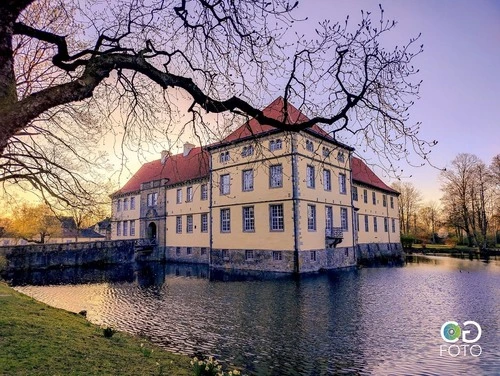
<point x="393" y="225"/>
<point x="189" y="194"/>
<point x="132" y="228"/>
<point x="386" y="224"/>
<point x="249" y="255"/>
<point x="354" y="193"/>
<point x="118" y="229"/>
<point x="275" y="145"/>
<point x="309" y="145"/>
<point x="276" y="176"/>
<point x="247" y="180"/>
<point x="375" y="224"/>
<point x="189" y="224"/>
<point x="367" y="223"/>
<point x="125" y="204"/>
<point x="132" y="203"/>
<point x="311" y="217"/>
<point x="125" y="228"/>
<point x="342" y="183"/>
<point x="344" y="219"/>
<point x="152" y="199"/>
<point x="341" y="157"/>
<point x="204" y="192"/>
<point x="374" y="198"/>
<point x="178" y="196"/>
<point x="225" y="220"/>
<point x="276" y="217"/>
<point x="178" y="224"/>
<point x="248" y="213"/>
<point x="204" y="222"/>
<point x="384" y="201"/>
<point x="225" y="184"/>
<point x="277" y="256"/>
<point x="365" y="196"/>
<point x="328" y="217"/>
<point x="327" y="180"/>
<point x="392" y="202"/>
<point x="119" y="205"/>
<point x="310" y="177"/>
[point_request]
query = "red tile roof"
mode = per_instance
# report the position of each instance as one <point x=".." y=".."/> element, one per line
<point x="361" y="173"/>
<point x="274" y="110"/>
<point x="176" y="169"/>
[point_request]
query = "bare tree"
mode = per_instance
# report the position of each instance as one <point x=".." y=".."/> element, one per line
<point x="55" y="90"/>
<point x="429" y="217"/>
<point x="409" y="203"/>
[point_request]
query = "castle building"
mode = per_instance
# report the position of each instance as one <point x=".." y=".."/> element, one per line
<point x="261" y="199"/>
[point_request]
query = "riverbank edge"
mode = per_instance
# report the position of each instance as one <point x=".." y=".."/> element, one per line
<point x="37" y="339"/>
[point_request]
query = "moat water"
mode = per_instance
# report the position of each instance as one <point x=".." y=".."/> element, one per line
<point x="368" y="321"/>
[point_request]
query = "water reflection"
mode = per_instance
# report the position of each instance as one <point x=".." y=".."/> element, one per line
<point x="365" y="321"/>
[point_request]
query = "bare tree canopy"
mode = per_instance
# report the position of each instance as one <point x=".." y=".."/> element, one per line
<point x="67" y="64"/>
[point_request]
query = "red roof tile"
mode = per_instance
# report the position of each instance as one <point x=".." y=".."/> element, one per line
<point x="176" y="169"/>
<point x="276" y="111"/>
<point x="363" y="174"/>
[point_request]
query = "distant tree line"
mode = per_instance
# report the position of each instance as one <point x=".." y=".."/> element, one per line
<point x="469" y="210"/>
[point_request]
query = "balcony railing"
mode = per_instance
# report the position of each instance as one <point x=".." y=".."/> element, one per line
<point x="334" y="236"/>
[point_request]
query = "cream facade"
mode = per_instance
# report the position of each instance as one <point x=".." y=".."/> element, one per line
<point x="263" y="199"/>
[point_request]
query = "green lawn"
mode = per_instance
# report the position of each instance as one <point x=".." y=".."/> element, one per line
<point x="36" y="339"/>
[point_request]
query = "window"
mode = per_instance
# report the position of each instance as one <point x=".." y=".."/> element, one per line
<point x="326" y="152"/>
<point x="327" y="180"/>
<point x="204" y="192"/>
<point x="248" y="219"/>
<point x="392" y="202"/>
<point x="189" y="250"/>
<point x="189" y="194"/>
<point x="356" y="221"/>
<point x="386" y="224"/>
<point x="189" y="223"/>
<point x="225" y="254"/>
<point x="152" y="199"/>
<point x="125" y="204"/>
<point x="178" y="224"/>
<point x="203" y="251"/>
<point x="247" y="180"/>
<point x="367" y="225"/>
<point x="249" y="255"/>
<point x="276" y="222"/>
<point x="342" y="184"/>
<point x="341" y="157"/>
<point x="276" y="176"/>
<point x="132" y="227"/>
<point x="355" y="193"/>
<point x="179" y="196"/>
<point x="119" y="205"/>
<point x="204" y="222"/>
<point x="313" y="255"/>
<point x="178" y="251"/>
<point x="224" y="184"/>
<point x="277" y="256"/>
<point x="393" y="225"/>
<point x="384" y="201"/>
<point x="132" y="203"/>
<point x="365" y="196"/>
<point x="247" y="151"/>
<point x="224" y="157"/>
<point x="225" y="220"/>
<point x="125" y="228"/>
<point x="328" y="218"/>
<point x="309" y="145"/>
<point x="374" y="198"/>
<point x="275" y="145"/>
<point x="375" y="226"/>
<point x="310" y="176"/>
<point x="343" y="219"/>
<point x="118" y="229"/>
<point x="311" y="217"/>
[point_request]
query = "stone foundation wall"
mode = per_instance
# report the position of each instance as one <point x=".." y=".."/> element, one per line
<point x="196" y="255"/>
<point x="44" y="256"/>
<point x="262" y="260"/>
<point x="379" y="252"/>
<point x="330" y="258"/>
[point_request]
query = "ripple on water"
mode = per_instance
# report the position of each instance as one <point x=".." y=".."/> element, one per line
<point x="368" y="321"/>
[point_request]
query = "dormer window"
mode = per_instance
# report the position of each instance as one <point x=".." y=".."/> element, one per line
<point x="275" y="144"/>
<point x="224" y="157"/>
<point x="309" y="145"/>
<point x="247" y="151"/>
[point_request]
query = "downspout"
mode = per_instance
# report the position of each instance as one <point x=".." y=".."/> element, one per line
<point x="210" y="184"/>
<point x="389" y="225"/>
<point x="295" y="201"/>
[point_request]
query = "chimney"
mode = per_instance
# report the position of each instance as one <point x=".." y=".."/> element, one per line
<point x="164" y="156"/>
<point x="187" y="148"/>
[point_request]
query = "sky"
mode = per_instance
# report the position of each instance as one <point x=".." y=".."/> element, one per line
<point x="459" y="103"/>
<point x="460" y="68"/>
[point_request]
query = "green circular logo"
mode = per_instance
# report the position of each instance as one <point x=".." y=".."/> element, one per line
<point x="450" y="331"/>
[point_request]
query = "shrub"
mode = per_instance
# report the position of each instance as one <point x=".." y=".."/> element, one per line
<point x="108" y="332"/>
<point x="3" y="263"/>
<point x="407" y="241"/>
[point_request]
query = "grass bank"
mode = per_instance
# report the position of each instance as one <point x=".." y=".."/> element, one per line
<point x="36" y="339"/>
